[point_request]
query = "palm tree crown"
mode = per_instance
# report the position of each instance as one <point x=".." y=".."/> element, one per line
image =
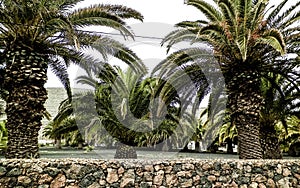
<point x="35" y="35"/>
<point x="248" y="39"/>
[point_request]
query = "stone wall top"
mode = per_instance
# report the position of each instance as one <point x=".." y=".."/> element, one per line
<point x="94" y="173"/>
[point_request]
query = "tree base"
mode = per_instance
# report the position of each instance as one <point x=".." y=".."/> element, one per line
<point x="125" y="152"/>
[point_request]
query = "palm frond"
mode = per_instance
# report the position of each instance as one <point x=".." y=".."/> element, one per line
<point x="275" y="12"/>
<point x="229" y="12"/>
<point x="95" y="15"/>
<point x="207" y="9"/>
<point x="61" y="72"/>
<point x="107" y="46"/>
<point x="280" y="17"/>
<point x="181" y="35"/>
<point x="122" y="11"/>
<point x="275" y="39"/>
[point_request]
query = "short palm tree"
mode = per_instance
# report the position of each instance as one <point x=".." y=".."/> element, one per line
<point x="112" y="105"/>
<point x="75" y="119"/>
<point x="135" y="110"/>
<point x="37" y="35"/>
<point x="281" y="104"/>
<point x="228" y="135"/>
<point x="67" y="130"/>
<point x="3" y="135"/>
<point x="246" y="37"/>
<point x="192" y="82"/>
<point x="290" y="135"/>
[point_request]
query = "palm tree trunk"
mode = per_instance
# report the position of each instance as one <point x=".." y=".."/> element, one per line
<point x="58" y="143"/>
<point x="185" y="148"/>
<point x="245" y="102"/>
<point x="26" y="74"/>
<point x="270" y="143"/>
<point x="229" y="146"/>
<point x="197" y="146"/>
<point x="125" y="152"/>
<point x="80" y="145"/>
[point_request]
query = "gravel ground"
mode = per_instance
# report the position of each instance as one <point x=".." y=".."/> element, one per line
<point x="53" y="153"/>
<point x="109" y="154"/>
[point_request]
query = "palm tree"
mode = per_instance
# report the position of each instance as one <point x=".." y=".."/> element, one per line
<point x="289" y="136"/>
<point x="3" y="136"/>
<point x="247" y="38"/>
<point x="192" y="82"/>
<point x="68" y="130"/>
<point x="74" y="119"/>
<point x="228" y="134"/>
<point x="281" y="104"/>
<point x="2" y="107"/>
<point x="137" y="111"/>
<point x="37" y="35"/>
<point x="114" y="96"/>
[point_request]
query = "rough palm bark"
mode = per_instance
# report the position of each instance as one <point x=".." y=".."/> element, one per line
<point x="26" y="74"/>
<point x="245" y="101"/>
<point x="124" y="151"/>
<point x="36" y="35"/>
<point x="270" y="142"/>
<point x="229" y="146"/>
<point x="239" y="32"/>
<point x="280" y="105"/>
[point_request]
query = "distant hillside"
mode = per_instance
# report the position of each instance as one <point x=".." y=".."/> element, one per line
<point x="55" y="97"/>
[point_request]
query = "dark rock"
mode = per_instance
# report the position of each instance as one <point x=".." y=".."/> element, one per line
<point x="217" y="166"/>
<point x="203" y="180"/>
<point x="2" y="171"/>
<point x="98" y="174"/>
<point x="52" y="171"/>
<point x="14" y="172"/>
<point x="278" y="177"/>
<point x="295" y="169"/>
<point x="243" y="180"/>
<point x="87" y="180"/>
<point x="12" y="181"/>
<point x="207" y="185"/>
<point x="145" y="185"/>
<point x="257" y="170"/>
<point x="177" y="167"/>
<point x="86" y="170"/>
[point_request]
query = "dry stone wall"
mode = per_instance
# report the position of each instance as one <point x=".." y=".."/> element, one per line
<point x="72" y="173"/>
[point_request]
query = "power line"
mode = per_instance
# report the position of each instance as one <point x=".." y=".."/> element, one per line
<point x="100" y="32"/>
<point x="117" y="34"/>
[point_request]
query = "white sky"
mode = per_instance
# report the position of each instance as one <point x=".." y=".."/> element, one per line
<point x="164" y="12"/>
<point x="160" y="11"/>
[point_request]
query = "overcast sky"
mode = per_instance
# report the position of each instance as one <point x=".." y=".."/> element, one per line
<point x="159" y="17"/>
<point x="164" y="12"/>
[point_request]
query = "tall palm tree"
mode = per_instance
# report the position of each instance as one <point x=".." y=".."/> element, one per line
<point x="247" y="38"/>
<point x="34" y="36"/>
